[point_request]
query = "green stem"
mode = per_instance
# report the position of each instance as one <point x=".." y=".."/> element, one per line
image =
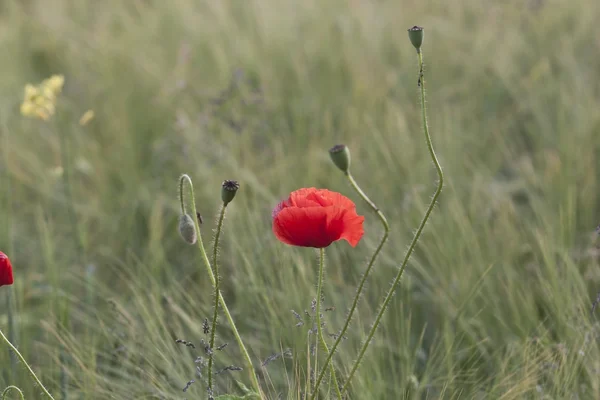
<point x="33" y="376"/>
<point x="216" y="310"/>
<point x="415" y="240"/>
<point x="182" y="181"/>
<point x="8" y="389"/>
<point x="320" y="328"/>
<point x="361" y="285"/>
<point x="209" y="271"/>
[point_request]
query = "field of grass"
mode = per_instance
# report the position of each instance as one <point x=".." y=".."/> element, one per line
<point x="495" y="302"/>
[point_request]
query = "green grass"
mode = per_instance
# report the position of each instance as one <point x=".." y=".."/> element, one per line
<point x="495" y="302"/>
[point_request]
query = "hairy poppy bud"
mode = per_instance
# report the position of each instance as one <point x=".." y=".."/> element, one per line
<point x="228" y="191"/>
<point x="187" y="229"/>
<point x="415" y="34"/>
<point x="340" y="155"/>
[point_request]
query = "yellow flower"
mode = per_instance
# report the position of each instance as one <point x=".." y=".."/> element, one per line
<point x="28" y="109"/>
<point x="48" y="93"/>
<point x="50" y="108"/>
<point x="30" y="92"/>
<point x="86" y="117"/>
<point x="55" y="83"/>
<point x="40" y="101"/>
<point x="42" y="114"/>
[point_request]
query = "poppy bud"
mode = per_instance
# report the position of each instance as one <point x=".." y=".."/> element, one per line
<point x="187" y="229"/>
<point x="415" y="34"/>
<point x="228" y="191"/>
<point x="340" y="155"/>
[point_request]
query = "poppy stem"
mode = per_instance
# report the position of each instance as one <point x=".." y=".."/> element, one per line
<point x="185" y="178"/>
<point x="8" y="389"/>
<point x="415" y="240"/>
<point x="31" y="373"/>
<point x="213" y="328"/>
<point x="361" y="285"/>
<point x="320" y="327"/>
<point x="182" y="181"/>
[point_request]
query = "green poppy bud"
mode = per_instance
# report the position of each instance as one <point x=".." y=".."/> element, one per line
<point x="415" y="34"/>
<point x="228" y="191"/>
<point x="187" y="229"/>
<point x="340" y="155"/>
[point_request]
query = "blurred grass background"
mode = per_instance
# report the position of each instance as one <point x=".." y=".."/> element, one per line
<point x="496" y="301"/>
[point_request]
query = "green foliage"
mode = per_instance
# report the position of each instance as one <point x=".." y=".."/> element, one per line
<point x="495" y="302"/>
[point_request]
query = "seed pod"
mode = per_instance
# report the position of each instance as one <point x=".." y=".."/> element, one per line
<point x="415" y="34"/>
<point x="228" y="191"/>
<point x="340" y="155"/>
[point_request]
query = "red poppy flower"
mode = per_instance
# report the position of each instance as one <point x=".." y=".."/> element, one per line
<point x="316" y="218"/>
<point x="6" y="274"/>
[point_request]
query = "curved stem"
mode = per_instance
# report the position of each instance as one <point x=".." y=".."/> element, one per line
<point x="361" y="285"/>
<point x="182" y="181"/>
<point x="209" y="271"/>
<point x="8" y="389"/>
<point x="320" y="327"/>
<point x="31" y="373"/>
<point x="413" y="244"/>
<point x="216" y="310"/>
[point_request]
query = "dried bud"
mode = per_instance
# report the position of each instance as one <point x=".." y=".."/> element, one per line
<point x="340" y="155"/>
<point x="187" y="229"/>
<point x="228" y="191"/>
<point x="415" y="34"/>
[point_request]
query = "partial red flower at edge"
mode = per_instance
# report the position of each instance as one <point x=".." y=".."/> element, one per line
<point x="6" y="274"/>
<point x="316" y="218"/>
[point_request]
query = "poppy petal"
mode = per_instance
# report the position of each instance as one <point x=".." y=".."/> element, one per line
<point x="353" y="228"/>
<point x="304" y="227"/>
<point x="313" y="217"/>
<point x="6" y="274"/>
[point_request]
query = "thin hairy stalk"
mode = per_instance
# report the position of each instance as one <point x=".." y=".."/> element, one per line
<point x="31" y="373"/>
<point x="361" y="285"/>
<point x="182" y="181"/>
<point x="216" y="310"/>
<point x="320" y="327"/>
<point x="8" y="389"/>
<point x="415" y="240"/>
<point x="185" y="178"/>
